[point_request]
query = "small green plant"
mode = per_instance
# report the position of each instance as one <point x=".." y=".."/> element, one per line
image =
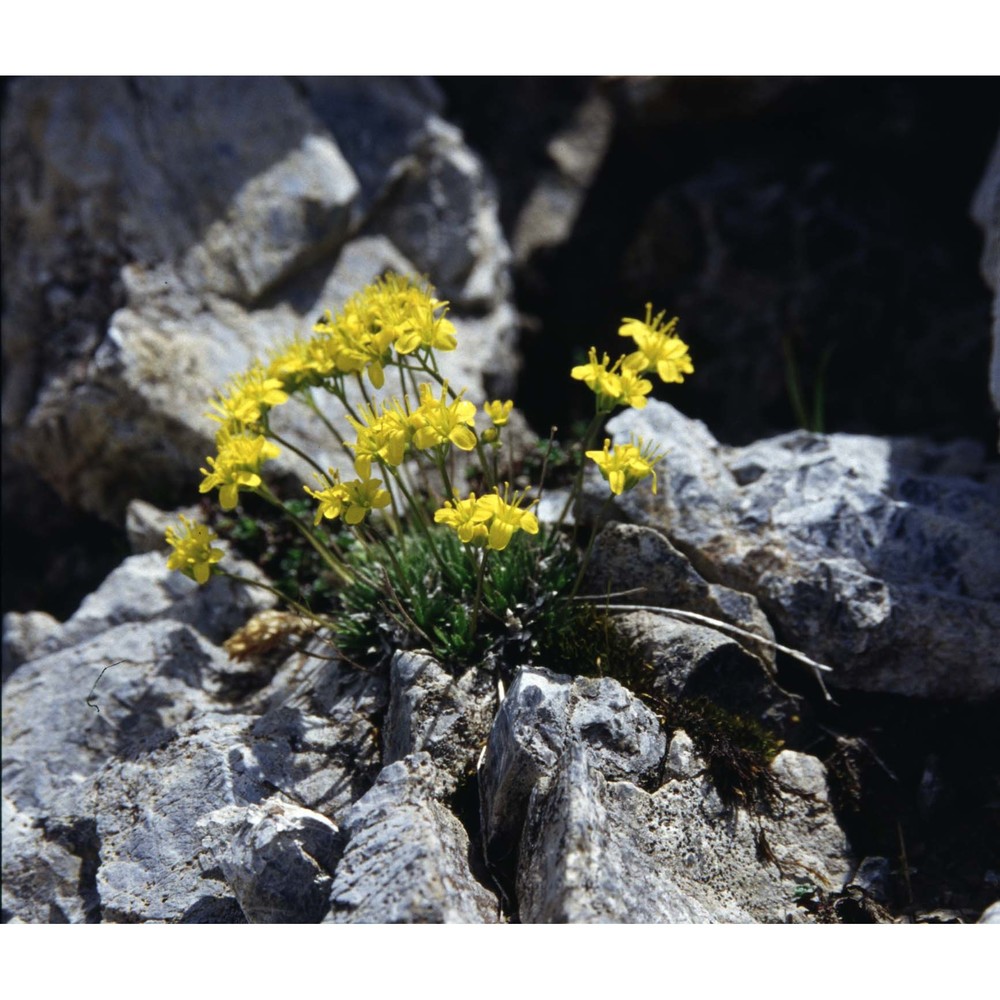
<point x="398" y="557"/>
<point x="810" y="418"/>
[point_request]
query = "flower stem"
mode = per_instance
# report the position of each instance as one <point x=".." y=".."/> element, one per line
<point x="325" y="554"/>
<point x="479" y="592"/>
<point x="301" y="608"/>
<point x="590" y="546"/>
<point x="298" y="451"/>
<point x="574" y="494"/>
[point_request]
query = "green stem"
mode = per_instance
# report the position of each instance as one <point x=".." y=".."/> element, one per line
<point x="441" y="462"/>
<point x="421" y="521"/>
<point x="298" y="451"/>
<point x="479" y="592"/>
<point x="590" y="547"/>
<point x="314" y="406"/>
<point x="387" y="548"/>
<point x="545" y="461"/>
<point x="574" y="494"/>
<point x="301" y="608"/>
<point x="325" y="554"/>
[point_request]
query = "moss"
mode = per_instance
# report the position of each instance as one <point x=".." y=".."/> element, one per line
<point x="582" y="640"/>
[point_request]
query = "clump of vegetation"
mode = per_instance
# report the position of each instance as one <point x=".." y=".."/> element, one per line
<point x="397" y="557"/>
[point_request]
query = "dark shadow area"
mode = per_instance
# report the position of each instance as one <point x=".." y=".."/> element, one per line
<point x="919" y="784"/>
<point x="816" y="235"/>
<point x="52" y="556"/>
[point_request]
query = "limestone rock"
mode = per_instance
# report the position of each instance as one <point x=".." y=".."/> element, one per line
<point x="629" y="556"/>
<point x="542" y="713"/>
<point x="179" y="228"/>
<point x="879" y="557"/>
<point x="986" y="213"/>
<point x="48" y="869"/>
<point x="696" y="661"/>
<point x="577" y="866"/>
<point x="154" y="867"/>
<point x="596" y="850"/>
<point x="143" y="589"/>
<point x="277" y="858"/>
<point x="406" y="859"/>
<point x="430" y="710"/>
<point x="54" y="740"/>
<point x="23" y="635"/>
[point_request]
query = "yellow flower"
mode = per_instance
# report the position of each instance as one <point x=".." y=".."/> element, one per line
<point x="660" y="349"/>
<point x="193" y="554"/>
<point x="330" y="496"/>
<point x="595" y="373"/>
<point x="632" y="389"/>
<point x="499" y="411"/>
<point x="351" y="500"/>
<point x="237" y="466"/>
<point x="409" y="311"/>
<point x="489" y="521"/>
<point x="362" y="496"/>
<point x="613" y="386"/>
<point x="466" y="518"/>
<point x="383" y="437"/>
<point x="248" y="396"/>
<point x="436" y="422"/>
<point x="302" y="363"/>
<point x="507" y="517"/>
<point x="391" y="313"/>
<point x="627" y="465"/>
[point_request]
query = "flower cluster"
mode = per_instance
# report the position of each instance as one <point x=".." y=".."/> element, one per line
<point x="404" y="447"/>
<point x="618" y="385"/>
<point x="237" y="465"/>
<point x="489" y="521"/>
<point x="659" y="347"/>
<point x="393" y="314"/>
<point x="352" y="500"/>
<point x="193" y="554"/>
<point x="626" y="465"/>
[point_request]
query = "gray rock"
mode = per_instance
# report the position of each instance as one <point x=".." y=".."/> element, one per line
<point x="429" y="709"/>
<point x="576" y="152"/>
<point x="47" y="877"/>
<point x="578" y="867"/>
<point x="442" y="213"/>
<point x="297" y="211"/>
<point x="873" y="877"/>
<point x="317" y="737"/>
<point x="624" y="554"/>
<point x="146" y="524"/>
<point x="54" y="740"/>
<point x="377" y="121"/>
<point x="406" y="859"/>
<point x="986" y="213"/>
<point x="695" y="661"/>
<point x="154" y="866"/>
<point x="606" y="851"/>
<point x="23" y="636"/>
<point x="863" y="555"/>
<point x="541" y="715"/>
<point x="991" y="915"/>
<point x="143" y="589"/>
<point x="183" y="227"/>
<point x="277" y="858"/>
